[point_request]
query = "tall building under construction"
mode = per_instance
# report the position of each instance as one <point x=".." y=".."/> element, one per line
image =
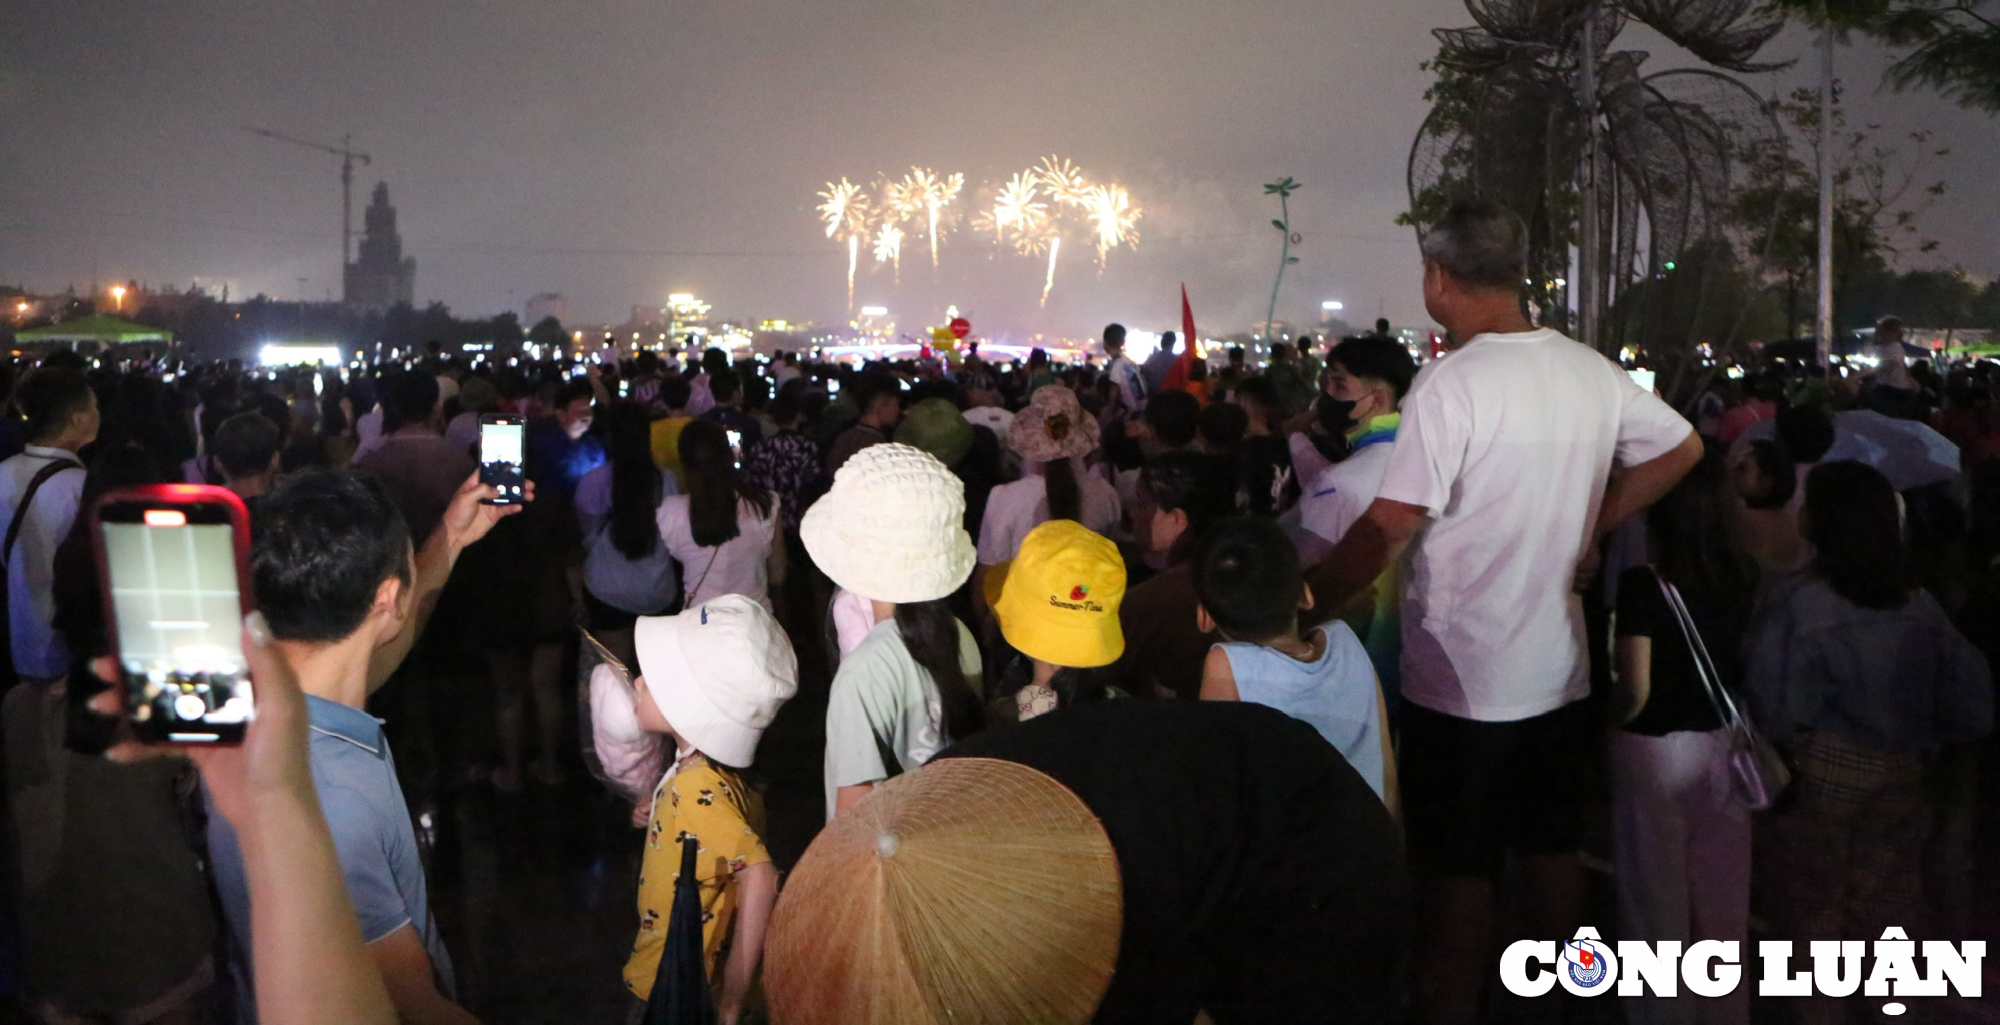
<point x="382" y="276"/>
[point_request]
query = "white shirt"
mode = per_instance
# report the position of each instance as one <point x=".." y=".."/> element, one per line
<point x="39" y="651"/>
<point x="737" y="566"/>
<point x="1332" y="501"/>
<point x="1508" y="444"/>
<point x="1131" y="384"/>
<point x="368" y="429"/>
<point x="1014" y="510"/>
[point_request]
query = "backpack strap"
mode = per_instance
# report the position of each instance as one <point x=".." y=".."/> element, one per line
<point x="42" y="476"/>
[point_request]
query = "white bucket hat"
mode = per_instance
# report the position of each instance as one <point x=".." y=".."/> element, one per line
<point x="892" y="528"/>
<point x="718" y="672"/>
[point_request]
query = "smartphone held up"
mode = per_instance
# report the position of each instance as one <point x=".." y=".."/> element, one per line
<point x="174" y="563"/>
<point x="502" y="456"/>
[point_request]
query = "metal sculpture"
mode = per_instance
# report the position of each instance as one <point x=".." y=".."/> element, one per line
<point x="1535" y="110"/>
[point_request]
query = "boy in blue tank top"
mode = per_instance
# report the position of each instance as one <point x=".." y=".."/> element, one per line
<point x="1252" y="588"/>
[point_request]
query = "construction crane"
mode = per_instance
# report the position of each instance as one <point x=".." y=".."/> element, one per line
<point x="348" y="155"/>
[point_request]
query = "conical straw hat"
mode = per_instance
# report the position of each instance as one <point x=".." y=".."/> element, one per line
<point x="972" y="891"/>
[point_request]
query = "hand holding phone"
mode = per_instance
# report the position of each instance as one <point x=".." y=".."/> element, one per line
<point x="174" y="561"/>
<point x="502" y="458"/>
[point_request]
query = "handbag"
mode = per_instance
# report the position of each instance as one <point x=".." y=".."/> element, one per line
<point x="1757" y="773"/>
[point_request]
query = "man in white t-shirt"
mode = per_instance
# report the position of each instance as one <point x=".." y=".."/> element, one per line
<point x="1500" y="484"/>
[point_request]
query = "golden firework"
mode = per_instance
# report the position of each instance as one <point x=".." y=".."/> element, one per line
<point x="1113" y="218"/>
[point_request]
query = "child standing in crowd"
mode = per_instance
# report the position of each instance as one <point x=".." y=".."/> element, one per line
<point x="712" y="679"/>
<point x="1252" y="589"/>
<point x="890" y="531"/>
<point x="1060" y="610"/>
<point x="1180" y="495"/>
<point x="1680" y="838"/>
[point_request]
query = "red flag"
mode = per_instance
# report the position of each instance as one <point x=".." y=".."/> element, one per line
<point x="1177" y="375"/>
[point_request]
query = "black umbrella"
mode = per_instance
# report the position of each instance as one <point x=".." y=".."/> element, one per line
<point x="680" y="989"/>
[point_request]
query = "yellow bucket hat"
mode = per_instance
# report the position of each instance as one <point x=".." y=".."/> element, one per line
<point x="1060" y="601"/>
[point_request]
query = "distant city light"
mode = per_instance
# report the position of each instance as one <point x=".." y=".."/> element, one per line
<point x="1333" y="306"/>
<point x="276" y="355"/>
<point x="874" y="311"/>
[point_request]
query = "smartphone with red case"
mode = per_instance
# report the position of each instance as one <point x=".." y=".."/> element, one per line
<point x="173" y="561"/>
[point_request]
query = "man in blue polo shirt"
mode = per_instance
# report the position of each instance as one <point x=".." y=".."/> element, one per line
<point x="336" y="580"/>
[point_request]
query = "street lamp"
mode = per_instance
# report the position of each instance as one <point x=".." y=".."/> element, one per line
<point x="118" y="296"/>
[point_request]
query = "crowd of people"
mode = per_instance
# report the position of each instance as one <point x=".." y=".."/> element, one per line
<point x="1338" y="654"/>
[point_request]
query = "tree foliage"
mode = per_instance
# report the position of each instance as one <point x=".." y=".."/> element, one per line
<point x="1950" y="46"/>
<point x="1881" y="185"/>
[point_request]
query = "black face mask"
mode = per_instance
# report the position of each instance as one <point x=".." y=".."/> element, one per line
<point x="1336" y="415"/>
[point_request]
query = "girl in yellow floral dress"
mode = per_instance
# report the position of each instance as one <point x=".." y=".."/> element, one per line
<point x="712" y="678"/>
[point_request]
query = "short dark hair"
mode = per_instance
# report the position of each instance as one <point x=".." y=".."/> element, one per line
<point x="573" y="389"/>
<point x="1174" y="416"/>
<point x="1223" y="424"/>
<point x="410" y="398"/>
<point x="675" y="392"/>
<point x="1856" y="532"/>
<point x="1196" y="483"/>
<point x="1114" y="336"/>
<point x="1482" y="244"/>
<point x="325" y="541"/>
<point x="49" y="396"/>
<point x="1247" y="575"/>
<point x="245" y="443"/>
<point x="724" y="386"/>
<point x="873" y="385"/>
<point x="1376" y="358"/>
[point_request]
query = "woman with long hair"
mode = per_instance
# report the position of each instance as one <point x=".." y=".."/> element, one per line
<point x="891" y="531"/>
<point x="1680" y="840"/>
<point x="1861" y="679"/>
<point x="627" y="570"/>
<point x="723" y="530"/>
<point x="1052" y="436"/>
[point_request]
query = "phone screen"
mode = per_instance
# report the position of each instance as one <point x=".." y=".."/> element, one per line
<point x="736" y="447"/>
<point x="501" y="441"/>
<point x="179" y="619"/>
<point x="1643" y="378"/>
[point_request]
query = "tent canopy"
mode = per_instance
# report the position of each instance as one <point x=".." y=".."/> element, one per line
<point x="95" y="328"/>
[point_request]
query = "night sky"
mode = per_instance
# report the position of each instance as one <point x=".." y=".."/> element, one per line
<point x="619" y="150"/>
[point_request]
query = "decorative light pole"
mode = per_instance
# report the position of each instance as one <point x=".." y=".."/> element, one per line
<point x="1283" y="189"/>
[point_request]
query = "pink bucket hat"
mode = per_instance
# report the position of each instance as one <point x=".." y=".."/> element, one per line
<point x="1053" y="427"/>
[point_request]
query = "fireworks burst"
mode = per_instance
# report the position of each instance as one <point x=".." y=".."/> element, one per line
<point x="1062" y="180"/>
<point x="889" y="248"/>
<point x="1019" y="211"/>
<point x="1113" y="217"/>
<point x="1033" y="212"/>
<point x="1049" y="282"/>
<point x="844" y="208"/>
<point x="925" y="190"/>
